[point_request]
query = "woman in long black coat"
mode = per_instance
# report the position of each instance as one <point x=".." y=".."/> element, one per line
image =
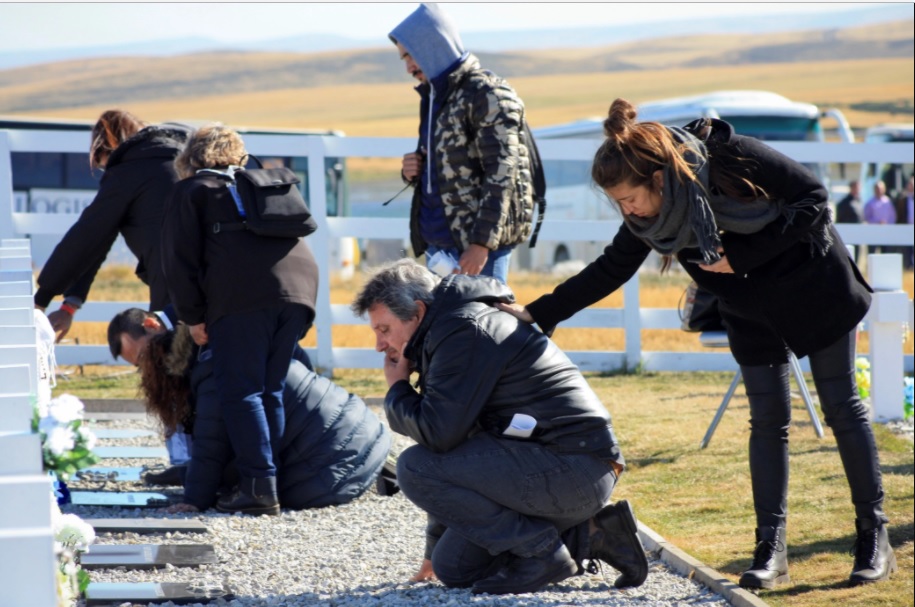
<point x="752" y="226"/>
<point x="138" y="161"/>
<point x="331" y="452"/>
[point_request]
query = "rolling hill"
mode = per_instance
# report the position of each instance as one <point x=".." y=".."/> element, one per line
<point x="110" y="81"/>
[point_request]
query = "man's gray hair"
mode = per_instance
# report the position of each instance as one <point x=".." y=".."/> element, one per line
<point x="398" y="286"/>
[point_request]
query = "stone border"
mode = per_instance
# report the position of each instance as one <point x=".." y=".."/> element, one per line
<point x="681" y="562"/>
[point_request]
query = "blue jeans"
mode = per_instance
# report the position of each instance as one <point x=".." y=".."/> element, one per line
<point x="178" y="446"/>
<point x="496" y="495"/>
<point x="251" y="354"/>
<point x="496" y="264"/>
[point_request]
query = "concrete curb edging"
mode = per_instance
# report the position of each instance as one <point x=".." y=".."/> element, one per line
<point x="686" y="565"/>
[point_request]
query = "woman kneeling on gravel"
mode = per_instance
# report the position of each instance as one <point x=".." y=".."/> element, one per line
<point x="333" y="446"/>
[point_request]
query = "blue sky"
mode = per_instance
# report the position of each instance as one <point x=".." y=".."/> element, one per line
<point x="39" y="26"/>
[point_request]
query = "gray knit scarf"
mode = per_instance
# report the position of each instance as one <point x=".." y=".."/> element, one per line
<point x="688" y="219"/>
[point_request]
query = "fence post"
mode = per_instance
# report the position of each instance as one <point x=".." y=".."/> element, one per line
<point x="886" y="324"/>
<point x="632" y="321"/>
<point x="320" y="247"/>
<point x="6" y="186"/>
<point x="27" y="561"/>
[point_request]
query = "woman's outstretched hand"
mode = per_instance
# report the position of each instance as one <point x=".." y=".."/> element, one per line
<point x="516" y="310"/>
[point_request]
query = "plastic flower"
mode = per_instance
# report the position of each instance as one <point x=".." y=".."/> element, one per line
<point x="72" y="536"/>
<point x="66" y="444"/>
<point x="907" y="404"/>
<point x="87" y="437"/>
<point x="66" y="408"/>
<point x="863" y="376"/>
<point x="73" y="532"/>
<point x="60" y="440"/>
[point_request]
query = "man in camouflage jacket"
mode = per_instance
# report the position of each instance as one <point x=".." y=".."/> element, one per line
<point x="473" y="197"/>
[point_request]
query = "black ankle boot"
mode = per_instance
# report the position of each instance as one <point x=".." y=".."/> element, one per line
<point x="252" y="496"/>
<point x="770" y="560"/>
<point x="617" y="543"/>
<point x="529" y="574"/>
<point x="874" y="557"/>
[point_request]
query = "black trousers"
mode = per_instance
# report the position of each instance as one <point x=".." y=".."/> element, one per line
<point x="767" y="386"/>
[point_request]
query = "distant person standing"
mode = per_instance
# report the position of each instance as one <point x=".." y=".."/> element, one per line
<point x="473" y="196"/>
<point x="904" y="215"/>
<point x="850" y="209"/>
<point x="139" y="172"/>
<point x="879" y="210"/>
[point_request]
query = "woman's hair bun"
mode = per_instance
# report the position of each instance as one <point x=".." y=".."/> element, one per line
<point x="621" y="117"/>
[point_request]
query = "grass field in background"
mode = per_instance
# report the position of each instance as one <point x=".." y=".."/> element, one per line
<point x="390" y="110"/>
<point x="698" y="499"/>
<point x="118" y="283"/>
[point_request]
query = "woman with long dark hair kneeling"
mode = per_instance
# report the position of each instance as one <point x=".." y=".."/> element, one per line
<point x="331" y="453"/>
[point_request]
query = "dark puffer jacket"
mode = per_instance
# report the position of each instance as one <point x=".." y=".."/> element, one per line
<point x="332" y="449"/>
<point x="131" y="201"/>
<point x="479" y="366"/>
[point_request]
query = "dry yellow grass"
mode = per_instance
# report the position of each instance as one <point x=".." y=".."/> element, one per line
<point x="390" y="110"/>
<point x="118" y="283"/>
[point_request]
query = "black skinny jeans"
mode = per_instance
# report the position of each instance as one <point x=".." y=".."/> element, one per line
<point x="833" y="370"/>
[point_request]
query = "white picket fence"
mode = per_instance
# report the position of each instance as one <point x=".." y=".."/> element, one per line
<point x="27" y="562"/>
<point x="631" y="317"/>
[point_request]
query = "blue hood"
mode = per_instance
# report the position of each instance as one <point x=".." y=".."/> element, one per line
<point x="431" y="38"/>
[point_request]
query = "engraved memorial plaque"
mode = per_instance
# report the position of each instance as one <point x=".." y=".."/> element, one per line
<point x="146" y="525"/>
<point x="131" y="452"/>
<point x="100" y="594"/>
<point x="102" y="473"/>
<point x="147" y="556"/>
<point x="139" y="499"/>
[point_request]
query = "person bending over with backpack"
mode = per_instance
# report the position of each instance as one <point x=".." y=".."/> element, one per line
<point x="250" y="298"/>
<point x="332" y="452"/>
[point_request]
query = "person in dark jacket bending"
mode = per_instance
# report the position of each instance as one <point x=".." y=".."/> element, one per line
<point x="138" y="161"/>
<point x="753" y="227"/>
<point x="516" y="456"/>
<point x="250" y="297"/>
<point x="331" y="452"/>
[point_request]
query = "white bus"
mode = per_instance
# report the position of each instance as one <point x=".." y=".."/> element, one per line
<point x="761" y="114"/>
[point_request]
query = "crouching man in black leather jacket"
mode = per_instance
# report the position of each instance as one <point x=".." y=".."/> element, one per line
<point x="516" y="456"/>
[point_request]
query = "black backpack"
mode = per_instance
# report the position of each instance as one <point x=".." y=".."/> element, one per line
<point x="539" y="181"/>
<point x="269" y="203"/>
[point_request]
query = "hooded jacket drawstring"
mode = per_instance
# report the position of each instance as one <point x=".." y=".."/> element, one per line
<point x="429" y="140"/>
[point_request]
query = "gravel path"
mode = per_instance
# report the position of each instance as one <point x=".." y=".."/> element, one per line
<point x="353" y="555"/>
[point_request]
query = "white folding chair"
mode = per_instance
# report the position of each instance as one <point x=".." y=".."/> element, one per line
<point x="719" y="339"/>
